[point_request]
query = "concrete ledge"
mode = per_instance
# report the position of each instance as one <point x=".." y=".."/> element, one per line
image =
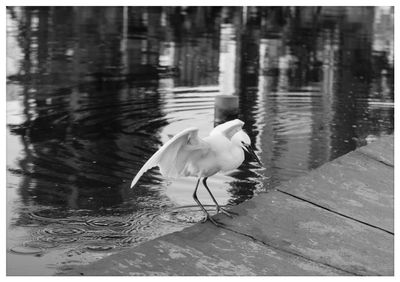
<point x="337" y="220"/>
<point x="354" y="185"/>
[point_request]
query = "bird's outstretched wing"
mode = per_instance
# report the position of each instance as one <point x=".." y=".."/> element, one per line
<point x="228" y="128"/>
<point x="174" y="155"/>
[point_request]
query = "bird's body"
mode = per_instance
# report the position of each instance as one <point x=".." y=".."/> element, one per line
<point x="221" y="155"/>
<point x="188" y="155"/>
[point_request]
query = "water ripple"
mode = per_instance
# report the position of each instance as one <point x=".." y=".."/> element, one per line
<point x="100" y="247"/>
<point x="63" y="231"/>
<point x="110" y="223"/>
<point x="25" y="250"/>
<point x="186" y="214"/>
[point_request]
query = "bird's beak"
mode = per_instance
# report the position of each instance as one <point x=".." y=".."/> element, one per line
<point x="252" y="154"/>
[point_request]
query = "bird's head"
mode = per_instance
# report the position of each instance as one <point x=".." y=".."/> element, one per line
<point x="242" y="140"/>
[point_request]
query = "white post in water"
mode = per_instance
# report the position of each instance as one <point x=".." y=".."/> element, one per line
<point x="124" y="41"/>
<point x="227" y="104"/>
<point x="226" y="108"/>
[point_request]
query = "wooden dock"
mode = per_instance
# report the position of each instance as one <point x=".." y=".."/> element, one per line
<point x="336" y="220"/>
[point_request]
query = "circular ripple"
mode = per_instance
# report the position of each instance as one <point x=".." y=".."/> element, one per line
<point x="100" y="247"/>
<point x="25" y="250"/>
<point x="50" y="215"/>
<point x="98" y="222"/>
<point x="64" y="231"/>
<point x="186" y="214"/>
<point x="57" y="216"/>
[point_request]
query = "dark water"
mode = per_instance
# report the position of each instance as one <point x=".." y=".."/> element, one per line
<point x="93" y="92"/>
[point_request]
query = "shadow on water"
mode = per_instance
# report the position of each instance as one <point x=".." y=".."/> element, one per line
<point x="92" y="92"/>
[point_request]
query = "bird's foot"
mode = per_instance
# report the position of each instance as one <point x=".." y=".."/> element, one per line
<point x="224" y="211"/>
<point x="213" y="221"/>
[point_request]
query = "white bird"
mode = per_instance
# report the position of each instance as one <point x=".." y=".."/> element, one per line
<point x="187" y="155"/>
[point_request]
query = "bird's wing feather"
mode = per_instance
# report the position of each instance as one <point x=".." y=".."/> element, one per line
<point x="173" y="155"/>
<point x="228" y="128"/>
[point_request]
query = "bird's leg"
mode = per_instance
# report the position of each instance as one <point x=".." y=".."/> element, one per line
<point x="208" y="217"/>
<point x="219" y="208"/>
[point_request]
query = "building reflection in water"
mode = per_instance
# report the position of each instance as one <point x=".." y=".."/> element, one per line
<point x="302" y="78"/>
<point x="92" y="92"/>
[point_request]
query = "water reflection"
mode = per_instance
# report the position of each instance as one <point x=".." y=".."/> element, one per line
<point x="92" y="92"/>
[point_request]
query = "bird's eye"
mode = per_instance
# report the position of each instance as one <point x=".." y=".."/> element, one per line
<point x="242" y="142"/>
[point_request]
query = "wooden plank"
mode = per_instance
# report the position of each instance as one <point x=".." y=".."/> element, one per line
<point x="204" y="250"/>
<point x="354" y="185"/>
<point x="299" y="227"/>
